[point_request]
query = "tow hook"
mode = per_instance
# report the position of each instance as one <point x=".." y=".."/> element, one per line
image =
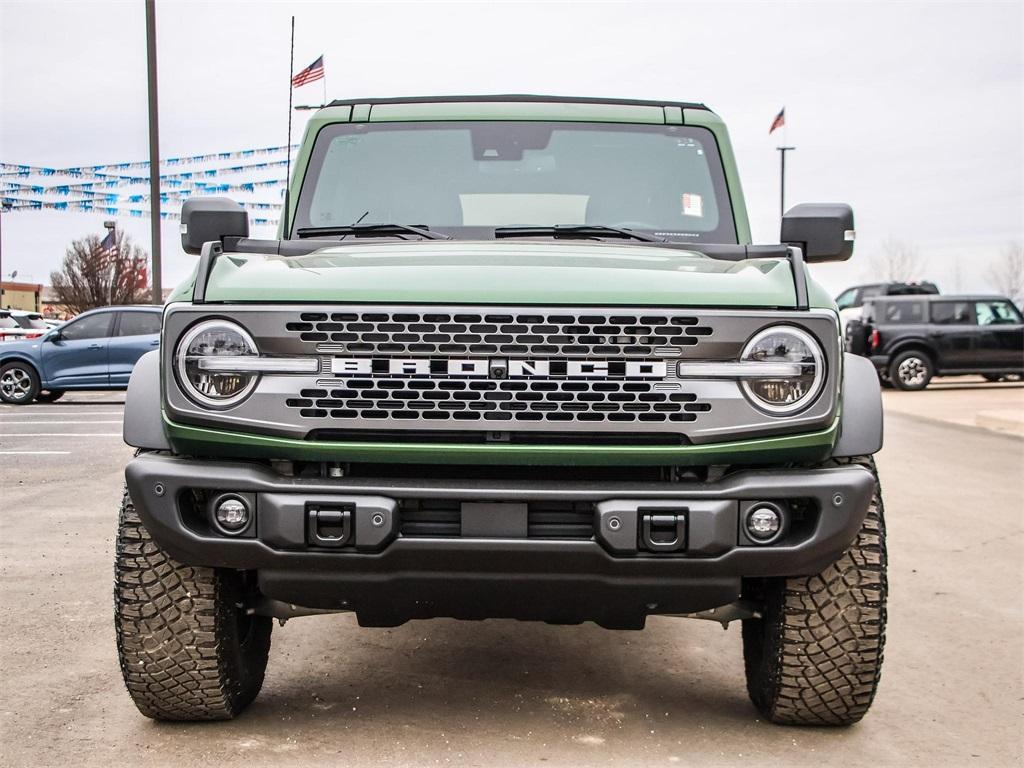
<point x="663" y="531"/>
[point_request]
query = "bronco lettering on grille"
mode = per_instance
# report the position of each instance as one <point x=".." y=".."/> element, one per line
<point x="512" y="368"/>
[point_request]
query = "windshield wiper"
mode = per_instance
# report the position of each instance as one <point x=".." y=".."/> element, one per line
<point x="371" y="229"/>
<point x="576" y="230"/>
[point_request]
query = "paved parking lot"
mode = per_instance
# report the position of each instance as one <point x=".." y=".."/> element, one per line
<point x="500" y="692"/>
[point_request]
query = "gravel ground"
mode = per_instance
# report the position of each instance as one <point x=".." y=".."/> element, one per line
<point x="501" y="692"/>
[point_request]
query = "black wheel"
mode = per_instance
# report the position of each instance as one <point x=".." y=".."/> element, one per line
<point x="50" y="395"/>
<point x="815" y="655"/>
<point x="188" y="650"/>
<point x="911" y="370"/>
<point x="19" y="383"/>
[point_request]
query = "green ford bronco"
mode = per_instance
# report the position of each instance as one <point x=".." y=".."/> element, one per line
<point x="509" y="357"/>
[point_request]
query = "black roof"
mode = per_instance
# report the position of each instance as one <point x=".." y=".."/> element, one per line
<point x="941" y="297"/>
<point x="516" y="97"/>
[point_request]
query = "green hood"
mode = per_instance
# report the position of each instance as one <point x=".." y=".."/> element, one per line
<point x="503" y="272"/>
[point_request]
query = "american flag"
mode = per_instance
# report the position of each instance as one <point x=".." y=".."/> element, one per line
<point x="108" y="245"/>
<point x="313" y="72"/>
<point x="779" y="121"/>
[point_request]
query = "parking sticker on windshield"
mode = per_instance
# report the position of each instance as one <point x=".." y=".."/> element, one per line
<point x="693" y="204"/>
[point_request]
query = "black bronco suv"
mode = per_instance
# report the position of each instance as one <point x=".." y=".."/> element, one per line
<point x="910" y="339"/>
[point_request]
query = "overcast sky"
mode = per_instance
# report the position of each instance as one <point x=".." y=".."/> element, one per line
<point x="911" y="112"/>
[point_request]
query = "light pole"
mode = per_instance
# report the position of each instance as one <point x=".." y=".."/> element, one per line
<point x="154" y="152"/>
<point x="111" y="227"/>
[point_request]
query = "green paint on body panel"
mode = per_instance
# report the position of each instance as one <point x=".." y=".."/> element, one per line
<point x="503" y="272"/>
<point x="200" y="441"/>
<point x="517" y="110"/>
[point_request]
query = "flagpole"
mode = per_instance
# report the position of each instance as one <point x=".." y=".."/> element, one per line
<point x="288" y="165"/>
<point x="324" y="67"/>
<point x="782" y="178"/>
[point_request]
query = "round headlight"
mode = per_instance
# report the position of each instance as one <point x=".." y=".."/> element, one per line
<point x="795" y="375"/>
<point x="207" y="385"/>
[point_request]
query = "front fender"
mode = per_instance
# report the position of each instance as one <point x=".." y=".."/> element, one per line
<point x="143" y="420"/>
<point x="9" y="356"/>
<point x="860" y="425"/>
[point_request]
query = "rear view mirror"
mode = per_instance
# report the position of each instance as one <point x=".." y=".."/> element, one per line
<point x="211" y="218"/>
<point x="824" y="231"/>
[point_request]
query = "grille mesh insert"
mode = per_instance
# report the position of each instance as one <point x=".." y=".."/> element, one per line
<point x="562" y="333"/>
<point x="415" y="398"/>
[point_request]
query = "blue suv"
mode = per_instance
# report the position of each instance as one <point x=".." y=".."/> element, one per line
<point x="96" y="350"/>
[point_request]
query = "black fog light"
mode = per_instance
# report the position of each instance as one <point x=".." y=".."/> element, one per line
<point x="764" y="523"/>
<point x="231" y="514"/>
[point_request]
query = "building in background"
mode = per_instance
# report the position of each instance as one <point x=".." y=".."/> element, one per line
<point x="49" y="305"/>
<point x="25" y="296"/>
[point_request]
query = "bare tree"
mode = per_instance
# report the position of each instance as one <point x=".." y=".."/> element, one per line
<point x="93" y="276"/>
<point x="897" y="261"/>
<point x="1007" y="273"/>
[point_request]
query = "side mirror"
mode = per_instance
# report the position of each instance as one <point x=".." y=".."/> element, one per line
<point x="824" y="231"/>
<point x="52" y="336"/>
<point x="211" y="218"/>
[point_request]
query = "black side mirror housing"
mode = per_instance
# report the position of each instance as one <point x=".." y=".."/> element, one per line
<point x="211" y="218"/>
<point x="824" y="231"/>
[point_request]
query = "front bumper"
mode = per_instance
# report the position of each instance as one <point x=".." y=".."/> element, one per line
<point x="491" y="560"/>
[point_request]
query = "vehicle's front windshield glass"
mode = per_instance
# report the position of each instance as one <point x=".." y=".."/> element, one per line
<point x="6" y="321"/>
<point x="465" y="178"/>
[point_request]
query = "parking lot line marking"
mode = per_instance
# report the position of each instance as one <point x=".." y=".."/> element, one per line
<point x="21" y="414"/>
<point x="37" y="423"/>
<point x="34" y="453"/>
<point x="4" y="435"/>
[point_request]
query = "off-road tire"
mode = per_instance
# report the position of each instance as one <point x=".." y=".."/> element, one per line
<point x="19" y="383"/>
<point x="50" y="395"/>
<point x="921" y="362"/>
<point x="187" y="651"/>
<point x="815" y="655"/>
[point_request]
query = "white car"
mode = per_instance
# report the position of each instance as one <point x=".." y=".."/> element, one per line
<point x="16" y="325"/>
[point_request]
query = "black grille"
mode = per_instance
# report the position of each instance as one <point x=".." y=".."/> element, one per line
<point x="431" y="517"/>
<point x="442" y="518"/>
<point x="578" y="334"/>
<point x="551" y="401"/>
<point x="560" y="520"/>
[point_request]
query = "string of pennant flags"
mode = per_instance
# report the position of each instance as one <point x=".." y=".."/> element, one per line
<point x="106" y="188"/>
<point x="17" y="203"/>
<point x="183" y="189"/>
<point x="14" y="169"/>
<point x="89" y="207"/>
<point x="114" y="180"/>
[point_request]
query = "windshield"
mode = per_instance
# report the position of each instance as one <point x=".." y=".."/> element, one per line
<point x="466" y="178"/>
<point x="846" y="298"/>
<point x="6" y="321"/>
